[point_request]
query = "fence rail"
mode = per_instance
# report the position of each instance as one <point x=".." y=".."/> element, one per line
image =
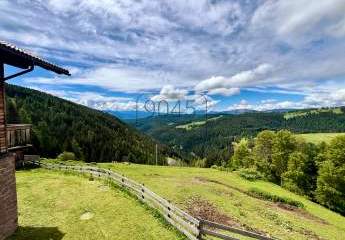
<point x="193" y="228"/>
<point x="18" y="135"/>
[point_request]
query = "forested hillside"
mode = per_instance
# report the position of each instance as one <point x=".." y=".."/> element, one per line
<point x="313" y="170"/>
<point x="60" y="125"/>
<point x="213" y="140"/>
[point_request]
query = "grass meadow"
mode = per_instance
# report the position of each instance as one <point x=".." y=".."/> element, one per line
<point x="57" y="206"/>
<point x="224" y="197"/>
<point x="319" y="137"/>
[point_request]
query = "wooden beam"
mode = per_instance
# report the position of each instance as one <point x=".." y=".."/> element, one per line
<point x="3" y="131"/>
<point x="2" y="71"/>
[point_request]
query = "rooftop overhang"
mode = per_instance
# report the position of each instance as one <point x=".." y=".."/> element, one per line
<point x="11" y="55"/>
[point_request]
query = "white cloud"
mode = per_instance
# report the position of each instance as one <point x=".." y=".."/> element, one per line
<point x="312" y="100"/>
<point x="115" y="78"/>
<point x="96" y="100"/>
<point x="201" y="102"/>
<point x="187" y="101"/>
<point x="333" y="98"/>
<point x="224" y="91"/>
<point x="169" y="92"/>
<point x="243" y="104"/>
<point x="300" y="20"/>
<point x="268" y="105"/>
<point x="241" y="79"/>
<point x="140" y="46"/>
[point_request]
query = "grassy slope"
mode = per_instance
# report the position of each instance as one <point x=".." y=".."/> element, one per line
<point x="50" y="206"/>
<point x="195" y="124"/>
<point x="319" y="137"/>
<point x="180" y="184"/>
<point x="303" y="113"/>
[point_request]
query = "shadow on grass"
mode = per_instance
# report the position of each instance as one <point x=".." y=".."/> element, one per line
<point x="37" y="233"/>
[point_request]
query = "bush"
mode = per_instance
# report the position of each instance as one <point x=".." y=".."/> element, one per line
<point x="200" y="163"/>
<point x="274" y="198"/>
<point x="66" y="156"/>
<point x="250" y="174"/>
<point x="220" y="168"/>
<point x="242" y="155"/>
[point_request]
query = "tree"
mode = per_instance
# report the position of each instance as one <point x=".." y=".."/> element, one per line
<point x="283" y="145"/>
<point x="262" y="153"/>
<point x="12" y="111"/>
<point x="242" y="155"/>
<point x="78" y="151"/>
<point x="24" y="116"/>
<point x="295" y="178"/>
<point x="59" y="125"/>
<point x="331" y="180"/>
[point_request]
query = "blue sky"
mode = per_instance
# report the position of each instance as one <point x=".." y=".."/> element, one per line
<point x="244" y="54"/>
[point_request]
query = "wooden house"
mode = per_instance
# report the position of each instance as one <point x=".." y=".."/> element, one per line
<point x="14" y="138"/>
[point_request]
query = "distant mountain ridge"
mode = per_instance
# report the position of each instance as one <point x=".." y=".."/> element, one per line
<point x="192" y="136"/>
<point x="130" y="115"/>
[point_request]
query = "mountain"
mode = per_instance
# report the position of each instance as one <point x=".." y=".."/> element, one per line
<point x="60" y="125"/>
<point x="191" y="136"/>
<point x="240" y="111"/>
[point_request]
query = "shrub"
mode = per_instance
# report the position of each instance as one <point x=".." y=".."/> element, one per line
<point x="274" y="198"/>
<point x="220" y="168"/>
<point x="201" y="163"/>
<point x="66" y="156"/>
<point x="242" y="155"/>
<point x="250" y="174"/>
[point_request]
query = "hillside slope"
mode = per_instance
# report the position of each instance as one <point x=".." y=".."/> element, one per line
<point x="60" y="125"/>
<point x="227" y="198"/>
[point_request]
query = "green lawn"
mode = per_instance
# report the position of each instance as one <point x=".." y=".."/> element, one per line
<point x="225" y="193"/>
<point x="58" y="206"/>
<point x="195" y="124"/>
<point x="319" y="137"/>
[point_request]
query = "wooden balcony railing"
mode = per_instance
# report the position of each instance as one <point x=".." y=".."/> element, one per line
<point x="18" y="136"/>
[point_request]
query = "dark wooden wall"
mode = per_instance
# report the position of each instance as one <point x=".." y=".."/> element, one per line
<point x="3" y="134"/>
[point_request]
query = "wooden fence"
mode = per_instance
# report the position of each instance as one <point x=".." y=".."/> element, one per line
<point x="193" y="228"/>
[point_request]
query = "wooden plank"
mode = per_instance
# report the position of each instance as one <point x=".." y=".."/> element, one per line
<point x="218" y="235"/>
<point x="172" y="215"/>
<point x="234" y="230"/>
<point x="187" y="234"/>
<point x="168" y="204"/>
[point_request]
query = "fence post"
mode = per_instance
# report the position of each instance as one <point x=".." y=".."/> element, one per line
<point x="143" y="191"/>
<point x="199" y="227"/>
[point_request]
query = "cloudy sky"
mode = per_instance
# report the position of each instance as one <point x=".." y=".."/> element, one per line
<point x="252" y="54"/>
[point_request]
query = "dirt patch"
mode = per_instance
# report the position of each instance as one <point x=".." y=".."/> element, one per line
<point x="152" y="175"/>
<point x="310" y="235"/>
<point x="300" y="212"/>
<point x="200" y="208"/>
